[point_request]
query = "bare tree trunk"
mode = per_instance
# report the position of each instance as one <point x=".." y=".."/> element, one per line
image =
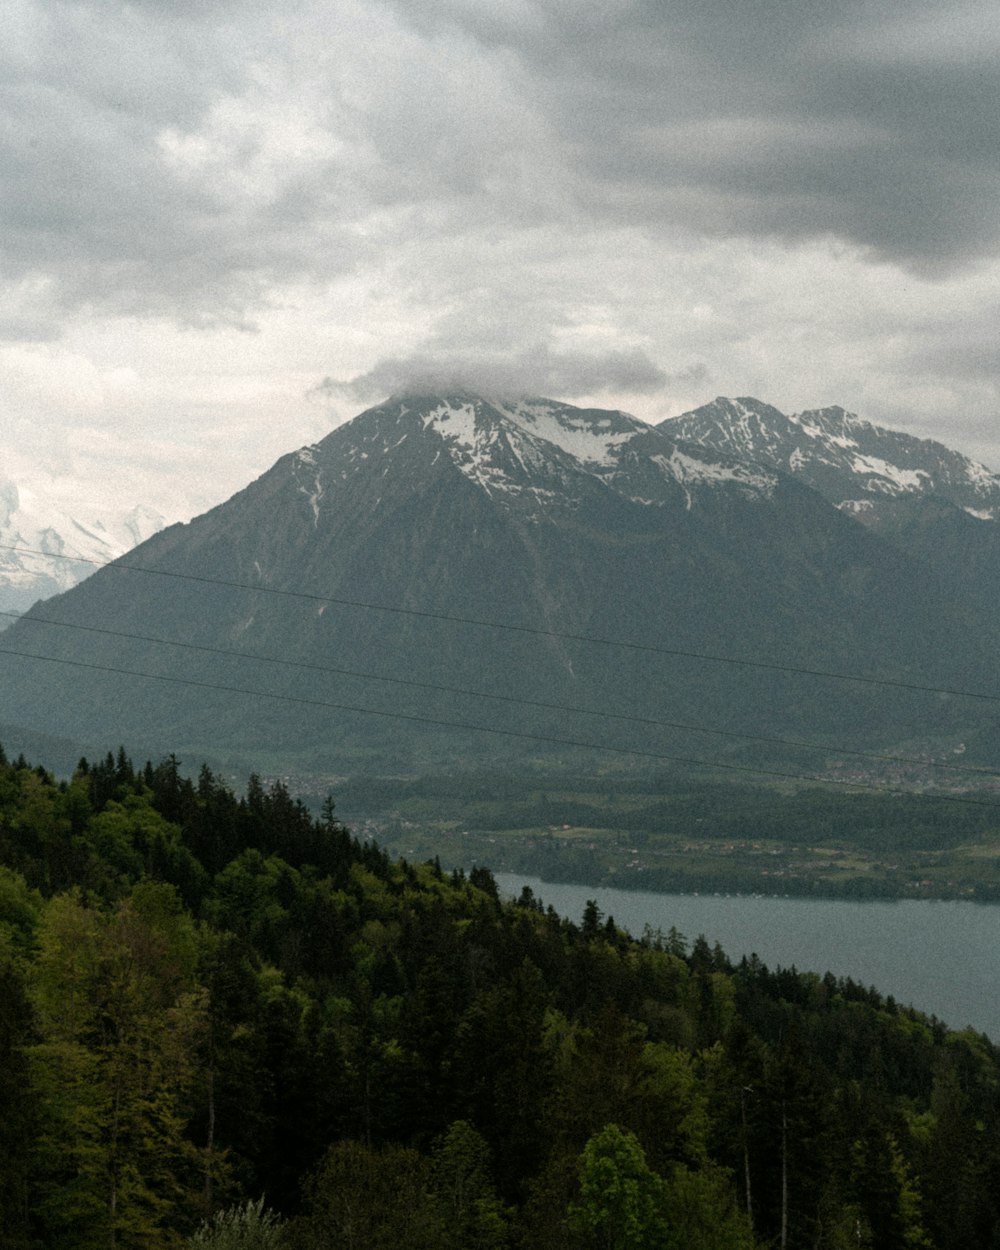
<point x="210" y="1142"/>
<point x="746" y="1154"/>
<point x="368" y="1106"/>
<point x="784" y="1176"/>
<point x="113" y="1169"/>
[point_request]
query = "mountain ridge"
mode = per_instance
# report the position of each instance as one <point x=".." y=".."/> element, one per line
<point x="841" y="454"/>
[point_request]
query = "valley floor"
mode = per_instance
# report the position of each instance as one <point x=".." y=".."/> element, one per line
<point x="684" y="839"/>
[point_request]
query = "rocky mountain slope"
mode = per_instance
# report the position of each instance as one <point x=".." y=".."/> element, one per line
<point x="856" y="465"/>
<point x="937" y="505"/>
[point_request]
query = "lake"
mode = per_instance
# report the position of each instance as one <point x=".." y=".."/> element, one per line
<point x="941" y="957"/>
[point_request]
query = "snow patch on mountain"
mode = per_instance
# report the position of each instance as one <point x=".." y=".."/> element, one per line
<point x="688" y="471"/>
<point x="312" y="487"/>
<point x="590" y="438"/>
<point x="839" y="454"/>
<point x="890" y="477"/>
<point x="521" y="450"/>
<point x="457" y="423"/>
<point x="831" y="426"/>
<point x="471" y="442"/>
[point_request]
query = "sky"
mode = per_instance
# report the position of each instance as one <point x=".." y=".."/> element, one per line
<point x="226" y="226"/>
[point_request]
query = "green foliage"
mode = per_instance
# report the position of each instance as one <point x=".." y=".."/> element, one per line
<point x="700" y="1213"/>
<point x="462" y="1180"/>
<point x="371" y="1200"/>
<point x="18" y="1108"/>
<point x="248" y="1226"/>
<point x="204" y="998"/>
<point x="621" y="1203"/>
<point x="119" y="1015"/>
<point x="19" y="909"/>
<point x="625" y="1205"/>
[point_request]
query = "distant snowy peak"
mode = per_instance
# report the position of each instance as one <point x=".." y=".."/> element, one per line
<point x="854" y="463"/>
<point x="44" y="550"/>
<point x="112" y="535"/>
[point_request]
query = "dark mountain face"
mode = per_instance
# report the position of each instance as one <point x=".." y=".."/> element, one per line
<point x="939" y="507"/>
<point x="434" y="546"/>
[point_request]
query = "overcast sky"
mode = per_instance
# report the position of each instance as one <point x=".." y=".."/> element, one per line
<point x="228" y="225"/>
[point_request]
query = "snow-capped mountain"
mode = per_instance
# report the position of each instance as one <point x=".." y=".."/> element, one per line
<point x="456" y="560"/>
<point x="531" y="457"/>
<point x="856" y="465"/>
<point x="44" y="551"/>
<point x="937" y="506"/>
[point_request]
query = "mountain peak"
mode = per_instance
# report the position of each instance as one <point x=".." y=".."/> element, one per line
<point x="489" y="438"/>
<point x="847" y="459"/>
<point x="591" y="436"/>
<point x="399" y="535"/>
<point x="533" y="455"/>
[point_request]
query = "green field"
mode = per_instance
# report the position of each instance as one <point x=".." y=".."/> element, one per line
<point x="673" y="834"/>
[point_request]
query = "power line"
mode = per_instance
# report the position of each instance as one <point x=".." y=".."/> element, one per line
<point x="653" y="722"/>
<point x="507" y="733"/>
<point x="625" y="644"/>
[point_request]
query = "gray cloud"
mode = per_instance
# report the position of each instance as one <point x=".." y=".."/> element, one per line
<point x="960" y="348"/>
<point x="788" y="121"/>
<point x="154" y="164"/>
<point x="536" y="370"/>
<point x="185" y="160"/>
<point x="506" y="196"/>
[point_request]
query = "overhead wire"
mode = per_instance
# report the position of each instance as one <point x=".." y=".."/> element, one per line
<point x="536" y="631"/>
<point x="507" y="733"/>
<point x="524" y="629"/>
<point x="603" y="714"/>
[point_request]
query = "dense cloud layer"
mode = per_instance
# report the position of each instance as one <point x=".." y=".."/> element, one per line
<point x="874" y="124"/>
<point x="185" y="158"/>
<point x="639" y="200"/>
<point x="536" y="371"/>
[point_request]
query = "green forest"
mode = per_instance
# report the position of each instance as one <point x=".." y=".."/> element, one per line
<point x="227" y="1022"/>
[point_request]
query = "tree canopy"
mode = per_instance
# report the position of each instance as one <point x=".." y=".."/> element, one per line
<point x="225" y="1022"/>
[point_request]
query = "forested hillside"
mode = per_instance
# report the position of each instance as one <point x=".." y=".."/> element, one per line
<point x="224" y="1022"/>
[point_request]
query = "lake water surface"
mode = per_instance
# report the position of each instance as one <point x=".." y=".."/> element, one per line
<point x="941" y="957"/>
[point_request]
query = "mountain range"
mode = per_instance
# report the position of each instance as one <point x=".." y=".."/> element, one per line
<point x="459" y="577"/>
